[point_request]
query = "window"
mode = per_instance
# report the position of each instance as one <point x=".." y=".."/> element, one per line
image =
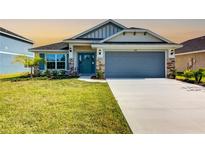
<point x="60" y="61"/>
<point x="60" y="65"/>
<point x="55" y="61"/>
<point x="60" y="57"/>
<point x="50" y="58"/>
<point x="50" y="65"/>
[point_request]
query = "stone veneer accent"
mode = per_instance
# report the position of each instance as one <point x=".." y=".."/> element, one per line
<point x="171" y="68"/>
<point x="100" y="63"/>
<point x="100" y="66"/>
<point x="71" y="66"/>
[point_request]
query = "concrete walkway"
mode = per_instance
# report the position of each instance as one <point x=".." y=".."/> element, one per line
<point x="160" y="105"/>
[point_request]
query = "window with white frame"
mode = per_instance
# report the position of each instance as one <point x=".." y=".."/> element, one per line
<point x="60" y="61"/>
<point x="55" y="61"/>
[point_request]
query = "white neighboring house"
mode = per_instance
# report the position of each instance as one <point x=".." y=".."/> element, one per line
<point x="12" y="45"/>
<point x="113" y="50"/>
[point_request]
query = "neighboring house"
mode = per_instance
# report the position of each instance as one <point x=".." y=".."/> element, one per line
<point x="112" y="49"/>
<point x="191" y="55"/>
<point x="11" y="45"/>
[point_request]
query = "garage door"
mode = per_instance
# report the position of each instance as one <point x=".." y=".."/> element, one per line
<point x="135" y="64"/>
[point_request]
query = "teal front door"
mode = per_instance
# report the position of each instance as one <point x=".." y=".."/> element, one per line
<point x="86" y="63"/>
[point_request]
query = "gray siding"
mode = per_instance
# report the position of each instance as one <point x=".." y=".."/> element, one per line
<point x="9" y="49"/>
<point x="102" y="32"/>
<point x="135" y="65"/>
<point x="137" y="37"/>
<point x="7" y="66"/>
<point x="11" y="45"/>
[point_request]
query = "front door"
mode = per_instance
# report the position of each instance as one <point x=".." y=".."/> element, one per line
<point x="86" y="63"/>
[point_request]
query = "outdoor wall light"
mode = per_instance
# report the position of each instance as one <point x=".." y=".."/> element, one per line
<point x="171" y="53"/>
<point x="100" y="52"/>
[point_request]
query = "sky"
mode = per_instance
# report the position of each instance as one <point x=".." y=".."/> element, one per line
<point x="43" y="31"/>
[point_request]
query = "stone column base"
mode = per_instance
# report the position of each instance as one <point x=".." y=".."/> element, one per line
<point x="71" y="67"/>
<point x="171" y="68"/>
<point x="100" y="68"/>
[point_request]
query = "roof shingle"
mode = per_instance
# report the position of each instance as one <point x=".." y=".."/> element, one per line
<point x="54" y="46"/>
<point x="192" y="45"/>
<point x="12" y="34"/>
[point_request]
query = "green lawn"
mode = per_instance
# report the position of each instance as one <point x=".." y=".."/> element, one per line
<point x="59" y="107"/>
<point x="8" y="76"/>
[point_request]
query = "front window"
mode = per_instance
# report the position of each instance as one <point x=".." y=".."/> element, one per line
<point x="55" y="61"/>
<point x="50" y="58"/>
<point x="61" y="61"/>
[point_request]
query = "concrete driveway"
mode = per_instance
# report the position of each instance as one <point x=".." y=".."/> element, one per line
<point x="160" y="105"/>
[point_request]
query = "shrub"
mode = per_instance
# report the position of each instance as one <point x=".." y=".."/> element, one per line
<point x="198" y="74"/>
<point x="63" y="72"/>
<point x="180" y="74"/>
<point x="100" y="75"/>
<point x="47" y="73"/>
<point x="54" y="73"/>
<point x="188" y="74"/>
<point x="41" y="74"/>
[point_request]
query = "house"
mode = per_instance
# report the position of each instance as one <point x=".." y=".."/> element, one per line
<point x="11" y="45"/>
<point x="113" y="50"/>
<point x="191" y="55"/>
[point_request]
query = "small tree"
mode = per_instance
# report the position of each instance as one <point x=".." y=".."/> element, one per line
<point x="29" y="62"/>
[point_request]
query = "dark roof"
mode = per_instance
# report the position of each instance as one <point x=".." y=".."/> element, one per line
<point x="54" y="46"/>
<point x="14" y="35"/>
<point x="135" y="28"/>
<point x="137" y="43"/>
<point x="85" y="39"/>
<point x="141" y="43"/>
<point x="192" y="45"/>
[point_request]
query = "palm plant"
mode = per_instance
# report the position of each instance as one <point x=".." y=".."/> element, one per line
<point x="32" y="63"/>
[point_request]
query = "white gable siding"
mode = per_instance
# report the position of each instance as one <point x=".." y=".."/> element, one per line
<point x="102" y="32"/>
<point x="138" y="37"/>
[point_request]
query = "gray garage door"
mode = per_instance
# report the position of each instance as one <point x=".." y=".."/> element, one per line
<point x="134" y="64"/>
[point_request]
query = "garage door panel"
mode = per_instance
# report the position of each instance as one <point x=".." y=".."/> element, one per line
<point x="134" y="65"/>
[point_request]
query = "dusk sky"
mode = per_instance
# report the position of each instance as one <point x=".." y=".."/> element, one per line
<point x="51" y="31"/>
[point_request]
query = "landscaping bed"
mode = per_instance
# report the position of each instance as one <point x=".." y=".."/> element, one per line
<point x="191" y="80"/>
<point x="192" y="76"/>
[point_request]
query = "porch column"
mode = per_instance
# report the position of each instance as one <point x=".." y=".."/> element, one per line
<point x="71" y="60"/>
<point x="100" y="61"/>
<point x="171" y="64"/>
